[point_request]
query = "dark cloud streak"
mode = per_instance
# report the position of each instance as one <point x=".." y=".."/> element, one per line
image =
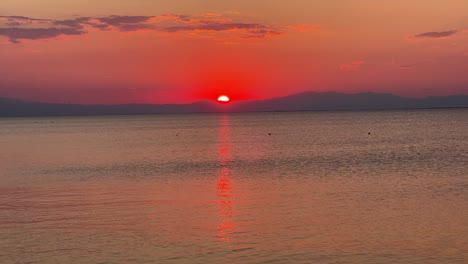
<point x="434" y="34"/>
<point x="23" y="18"/>
<point x="19" y="27"/>
<point x="73" y="23"/>
<point x="14" y="34"/>
<point x="211" y="27"/>
<point x="119" y="20"/>
<point x="126" y="23"/>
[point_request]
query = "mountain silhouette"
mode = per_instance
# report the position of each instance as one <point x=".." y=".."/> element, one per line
<point x="331" y="101"/>
<point x="308" y="101"/>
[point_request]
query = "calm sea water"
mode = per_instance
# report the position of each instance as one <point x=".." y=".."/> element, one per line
<point x="237" y="188"/>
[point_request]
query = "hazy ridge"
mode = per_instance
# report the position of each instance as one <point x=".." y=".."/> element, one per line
<point x="308" y="101"/>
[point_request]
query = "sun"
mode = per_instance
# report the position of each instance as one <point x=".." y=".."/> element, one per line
<point x="223" y="99"/>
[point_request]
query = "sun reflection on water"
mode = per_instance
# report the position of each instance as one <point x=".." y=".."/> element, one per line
<point x="224" y="186"/>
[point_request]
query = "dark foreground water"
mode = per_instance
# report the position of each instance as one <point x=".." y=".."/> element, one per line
<point x="220" y="189"/>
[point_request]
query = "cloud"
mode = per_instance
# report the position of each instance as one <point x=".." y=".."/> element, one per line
<point x="73" y="23"/>
<point x="122" y="23"/>
<point x="126" y="23"/>
<point x="353" y="66"/>
<point x="218" y="23"/>
<point x="221" y="27"/>
<point x="14" y="34"/>
<point x="305" y="27"/>
<point x="247" y="30"/>
<point x="415" y="64"/>
<point x="24" y="19"/>
<point x="209" y="26"/>
<point x="434" y="35"/>
<point x="119" y="20"/>
<point x="437" y="34"/>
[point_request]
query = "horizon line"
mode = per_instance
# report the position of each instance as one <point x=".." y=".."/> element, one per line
<point x="232" y="101"/>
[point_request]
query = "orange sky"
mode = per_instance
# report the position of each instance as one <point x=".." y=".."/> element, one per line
<point x="116" y="51"/>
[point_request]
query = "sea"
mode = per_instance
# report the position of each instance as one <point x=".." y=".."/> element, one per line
<point x="303" y="187"/>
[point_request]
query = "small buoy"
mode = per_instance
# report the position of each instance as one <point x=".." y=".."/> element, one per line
<point x="368" y="133"/>
<point x="269" y="134"/>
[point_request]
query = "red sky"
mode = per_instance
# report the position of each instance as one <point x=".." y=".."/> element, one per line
<point x="116" y="51"/>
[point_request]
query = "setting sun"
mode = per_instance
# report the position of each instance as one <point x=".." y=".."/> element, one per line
<point x="223" y="99"/>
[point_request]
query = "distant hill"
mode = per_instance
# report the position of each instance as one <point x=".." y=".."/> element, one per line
<point x="16" y="108"/>
<point x="308" y="101"/>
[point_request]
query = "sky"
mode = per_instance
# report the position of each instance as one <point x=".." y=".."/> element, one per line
<point x="182" y="51"/>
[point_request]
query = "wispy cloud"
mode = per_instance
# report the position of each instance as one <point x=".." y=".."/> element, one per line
<point x="21" y="20"/>
<point x="415" y="64"/>
<point x="305" y="27"/>
<point x="222" y="27"/>
<point x="353" y="66"/>
<point x="434" y="35"/>
<point x="37" y="33"/>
